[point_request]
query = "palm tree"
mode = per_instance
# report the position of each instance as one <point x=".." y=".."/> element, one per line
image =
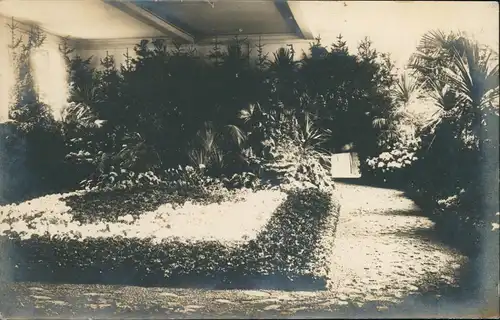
<point x="433" y="55"/>
<point x="406" y="93"/>
<point x="461" y="77"/>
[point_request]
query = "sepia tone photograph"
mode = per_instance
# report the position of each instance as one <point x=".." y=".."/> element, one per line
<point x="249" y="159"/>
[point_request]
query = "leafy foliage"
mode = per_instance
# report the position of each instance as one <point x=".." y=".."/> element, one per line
<point x="296" y="161"/>
<point x="347" y="92"/>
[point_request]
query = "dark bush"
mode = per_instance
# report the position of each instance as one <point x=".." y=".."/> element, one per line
<point x="32" y="161"/>
<point x="447" y="182"/>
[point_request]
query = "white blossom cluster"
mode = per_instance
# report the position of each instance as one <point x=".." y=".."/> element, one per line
<point x="400" y="155"/>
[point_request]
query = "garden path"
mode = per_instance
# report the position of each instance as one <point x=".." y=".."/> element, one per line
<point x="383" y="257"/>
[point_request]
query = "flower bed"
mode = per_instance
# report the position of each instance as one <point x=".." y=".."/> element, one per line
<point x="188" y="220"/>
<point x="231" y="244"/>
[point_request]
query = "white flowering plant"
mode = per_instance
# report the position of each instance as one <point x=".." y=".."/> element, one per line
<point x="395" y="158"/>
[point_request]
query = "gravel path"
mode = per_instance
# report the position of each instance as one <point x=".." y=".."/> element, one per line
<point x="382" y="251"/>
<point x="383" y="256"/>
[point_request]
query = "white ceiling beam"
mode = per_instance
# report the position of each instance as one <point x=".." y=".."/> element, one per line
<point x="102" y="44"/>
<point x="264" y="38"/>
<point x="111" y="44"/>
<point x="300" y="20"/>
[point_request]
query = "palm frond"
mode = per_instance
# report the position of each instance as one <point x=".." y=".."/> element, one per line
<point x="408" y="89"/>
<point x="311" y="136"/>
<point x="236" y="134"/>
<point x="218" y="158"/>
<point x="249" y="113"/>
<point x="379" y="123"/>
<point x="79" y="114"/>
<point x="442" y="95"/>
<point x="198" y="157"/>
<point x="434" y="39"/>
<point x="473" y="77"/>
<point x="208" y="139"/>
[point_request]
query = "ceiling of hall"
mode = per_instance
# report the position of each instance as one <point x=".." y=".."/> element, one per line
<point x="96" y="19"/>
<point x="205" y="19"/>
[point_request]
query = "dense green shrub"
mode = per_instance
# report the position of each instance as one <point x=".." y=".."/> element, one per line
<point x="32" y="160"/>
<point x="14" y="175"/>
<point x="347" y="91"/>
<point x="446" y="181"/>
<point x="218" y="137"/>
<point x="292" y="246"/>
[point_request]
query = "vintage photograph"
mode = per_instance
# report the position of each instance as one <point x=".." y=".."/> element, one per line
<point x="249" y="159"/>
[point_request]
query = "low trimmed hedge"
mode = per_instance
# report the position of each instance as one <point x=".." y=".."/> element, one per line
<point x="290" y="252"/>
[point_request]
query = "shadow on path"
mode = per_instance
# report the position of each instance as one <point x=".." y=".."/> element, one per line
<point x="474" y="282"/>
<point x="360" y="181"/>
<point x="413" y="212"/>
